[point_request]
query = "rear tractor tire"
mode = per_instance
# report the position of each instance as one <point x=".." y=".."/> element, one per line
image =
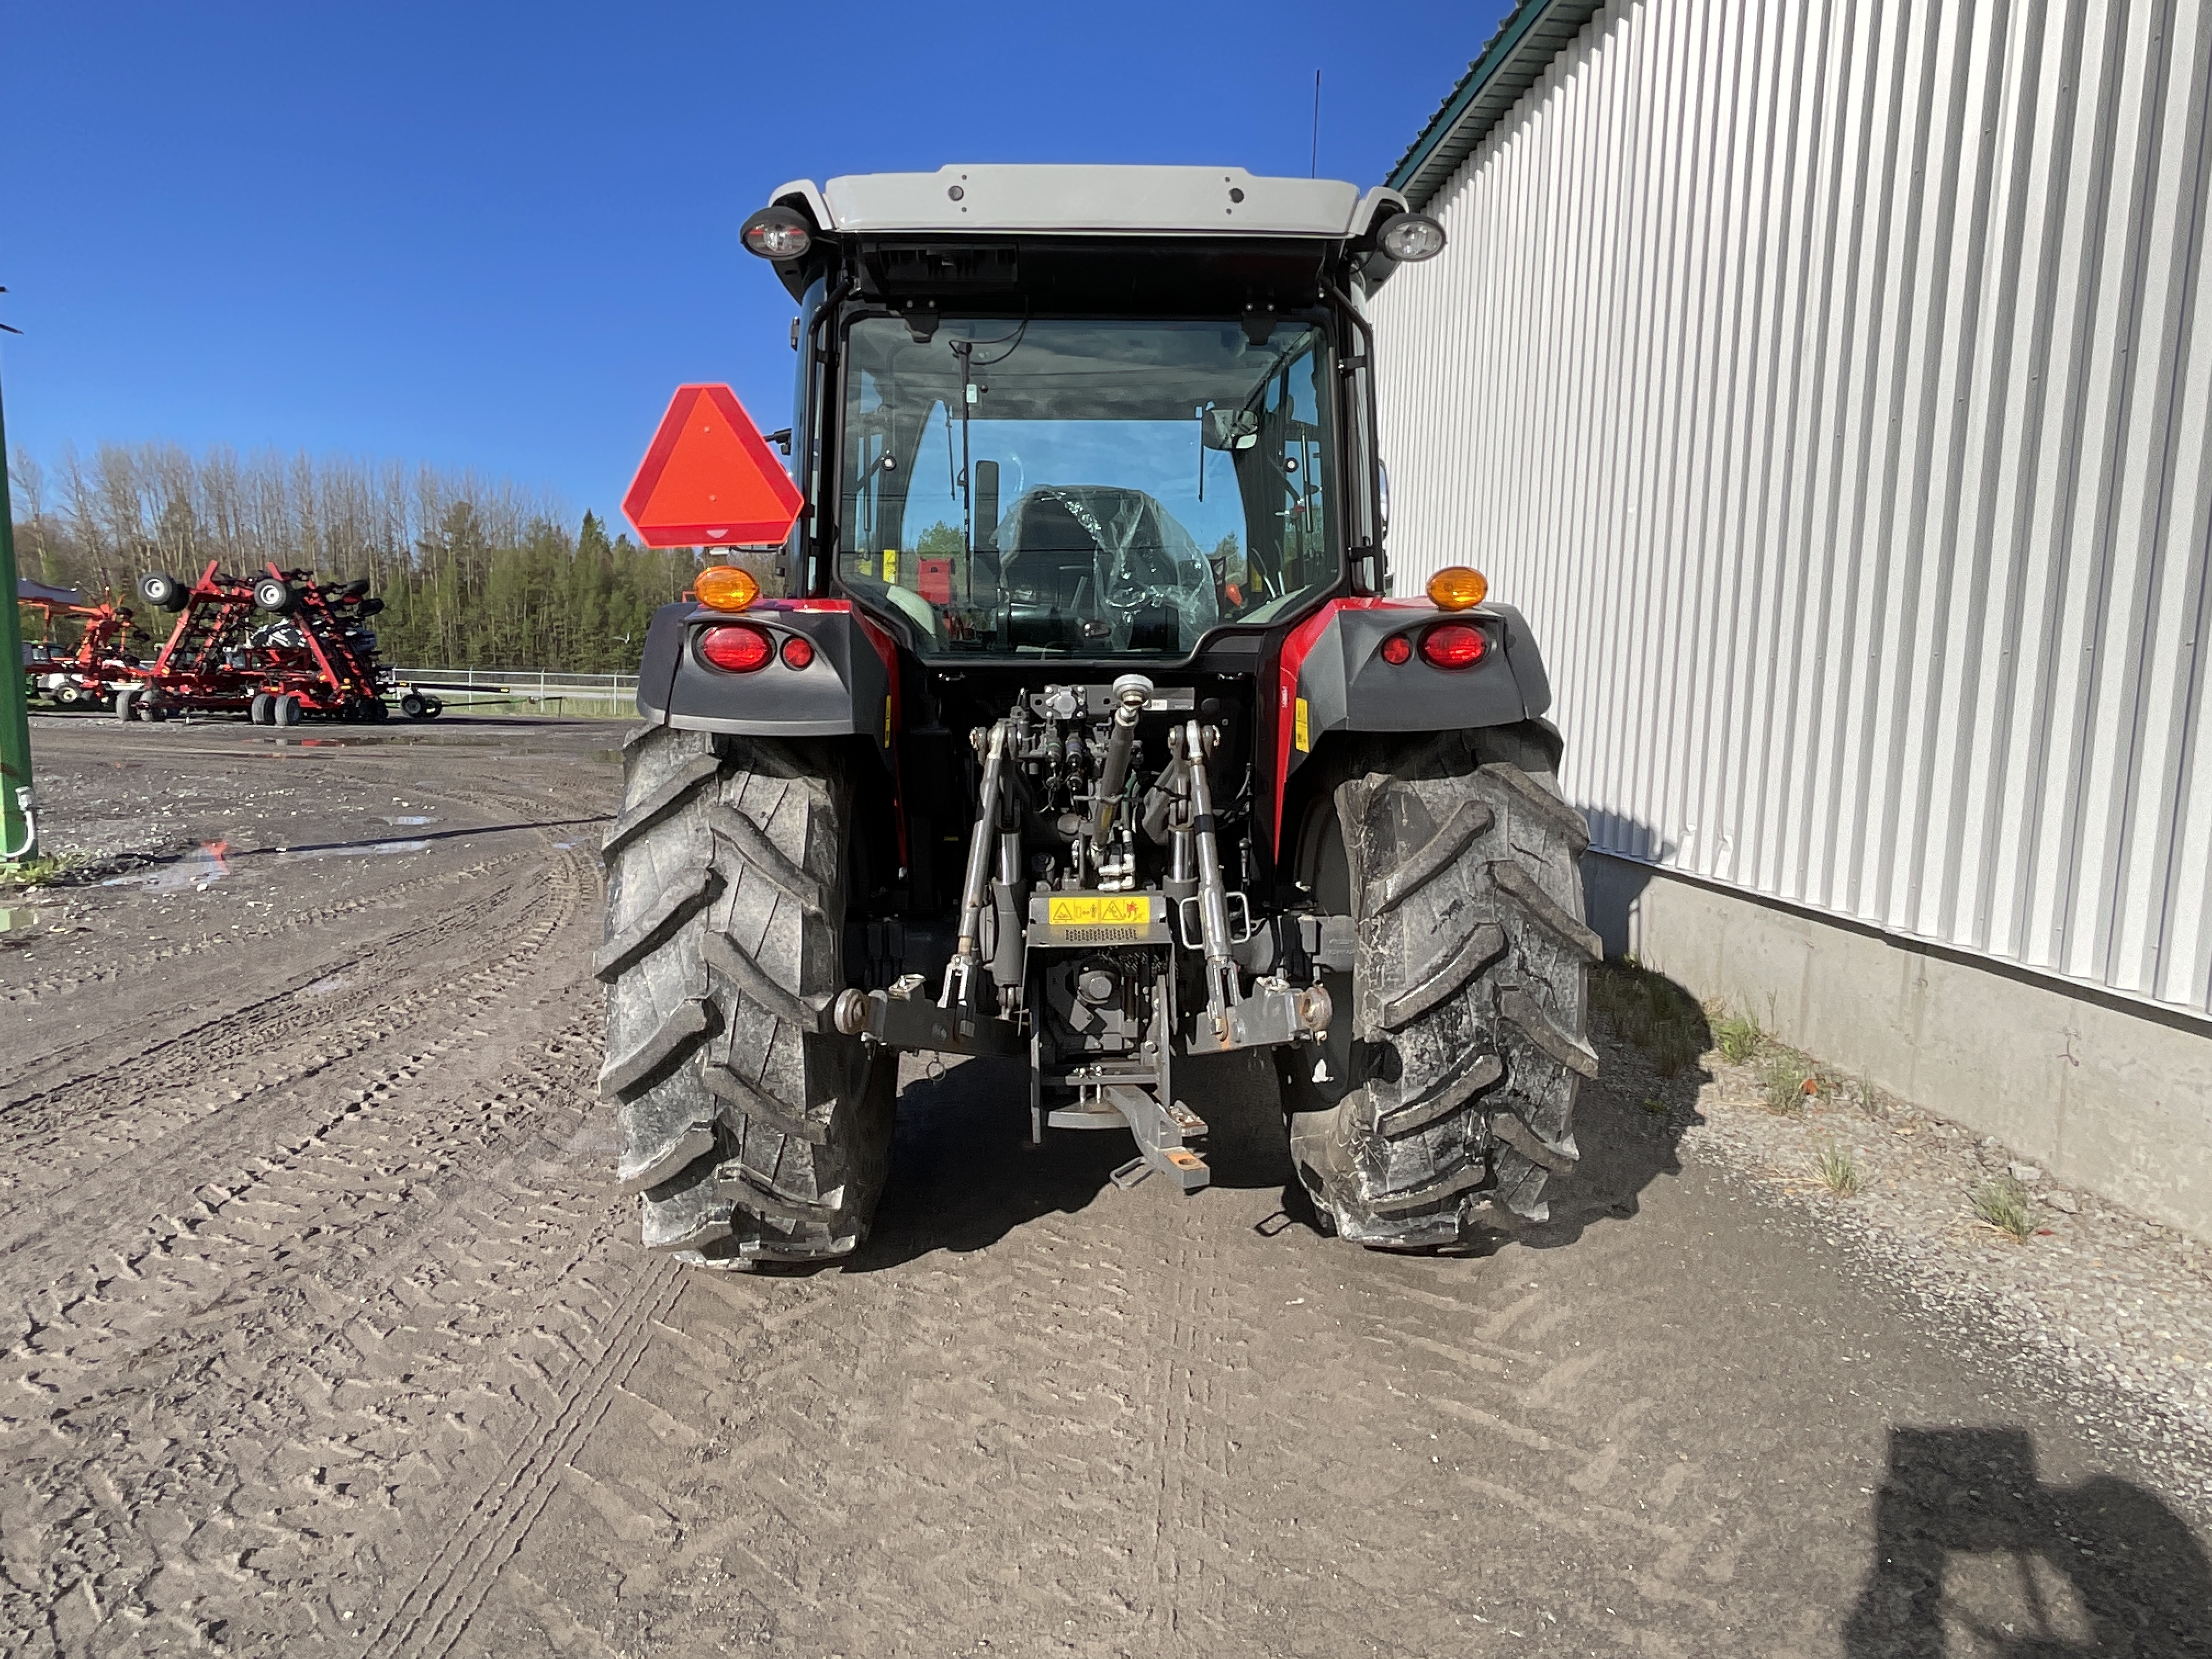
<point x="750" y="1129"/>
<point x="1449" y="1079"/>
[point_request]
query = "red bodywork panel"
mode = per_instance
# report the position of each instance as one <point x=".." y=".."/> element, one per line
<point x="1296" y="648"/>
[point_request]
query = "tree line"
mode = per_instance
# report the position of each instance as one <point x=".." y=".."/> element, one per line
<point x="475" y="573"/>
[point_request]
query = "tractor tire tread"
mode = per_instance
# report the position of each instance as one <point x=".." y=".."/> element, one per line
<point x="1455" y="1082"/>
<point x="674" y="905"/>
<point x="671" y="793"/>
<point x="749" y="1130"/>
<point x="1469" y="820"/>
<point x="1546" y="910"/>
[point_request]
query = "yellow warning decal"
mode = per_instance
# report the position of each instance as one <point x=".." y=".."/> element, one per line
<point x="1100" y="910"/>
<point x="890" y="564"/>
<point x="1304" y="733"/>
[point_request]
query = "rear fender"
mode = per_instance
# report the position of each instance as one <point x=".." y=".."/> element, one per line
<point x="1332" y="677"/>
<point x="849" y="688"/>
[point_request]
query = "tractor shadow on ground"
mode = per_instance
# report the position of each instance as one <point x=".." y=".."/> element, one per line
<point x="964" y="1174"/>
<point x="1650" y="1034"/>
<point x="1973" y="1553"/>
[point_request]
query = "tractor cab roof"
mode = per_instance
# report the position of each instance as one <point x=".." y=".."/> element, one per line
<point x="1110" y="201"/>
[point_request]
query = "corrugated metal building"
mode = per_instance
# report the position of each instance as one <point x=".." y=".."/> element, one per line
<point x="1831" y="382"/>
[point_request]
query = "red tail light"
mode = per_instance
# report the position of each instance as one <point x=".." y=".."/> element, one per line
<point x="737" y="647"/>
<point x="1454" y="645"/>
<point x="797" y="651"/>
<point x="1397" y="649"/>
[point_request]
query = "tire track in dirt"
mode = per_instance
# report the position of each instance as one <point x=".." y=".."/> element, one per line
<point x="305" y="1209"/>
<point x="133" y="968"/>
<point x="203" y="1118"/>
<point x="252" y="1226"/>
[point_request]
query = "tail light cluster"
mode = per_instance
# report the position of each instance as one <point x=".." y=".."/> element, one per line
<point x="1446" y="645"/>
<point x="740" y="647"/>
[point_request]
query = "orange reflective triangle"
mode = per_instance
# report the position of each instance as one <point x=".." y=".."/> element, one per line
<point x="710" y="478"/>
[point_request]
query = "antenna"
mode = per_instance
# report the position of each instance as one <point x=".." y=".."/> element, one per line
<point x="1313" y="161"/>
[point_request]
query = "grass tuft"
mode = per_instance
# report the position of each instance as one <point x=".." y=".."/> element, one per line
<point x="33" y="872"/>
<point x="1789" y="1084"/>
<point x="1839" y="1170"/>
<point x="2002" y="1203"/>
<point x="1738" y="1036"/>
<point x="1651" y="1011"/>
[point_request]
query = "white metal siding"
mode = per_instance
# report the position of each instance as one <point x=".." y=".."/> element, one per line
<point x="1831" y="382"/>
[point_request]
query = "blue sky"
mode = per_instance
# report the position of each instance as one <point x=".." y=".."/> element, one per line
<point x="498" y="236"/>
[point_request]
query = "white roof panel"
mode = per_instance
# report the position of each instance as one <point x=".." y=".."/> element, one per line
<point x="1097" y="199"/>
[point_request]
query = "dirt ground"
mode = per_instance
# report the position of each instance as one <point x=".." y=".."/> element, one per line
<point x="327" y="1332"/>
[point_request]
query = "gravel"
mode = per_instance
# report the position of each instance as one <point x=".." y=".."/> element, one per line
<point x="2098" y="1304"/>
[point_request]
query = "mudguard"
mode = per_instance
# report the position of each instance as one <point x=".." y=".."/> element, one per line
<point x="851" y="686"/>
<point x="1331" y="676"/>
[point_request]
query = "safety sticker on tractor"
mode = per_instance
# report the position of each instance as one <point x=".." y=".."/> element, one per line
<point x="1105" y="910"/>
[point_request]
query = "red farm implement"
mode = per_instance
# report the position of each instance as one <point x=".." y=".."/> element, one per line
<point x="278" y="647"/>
<point x="85" y="672"/>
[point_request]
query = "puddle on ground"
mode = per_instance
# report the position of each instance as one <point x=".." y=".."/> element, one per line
<point x="196" y="872"/>
<point x="325" y="986"/>
<point x="353" y="849"/>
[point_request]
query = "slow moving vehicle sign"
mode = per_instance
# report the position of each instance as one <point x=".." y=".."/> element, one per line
<point x="710" y="479"/>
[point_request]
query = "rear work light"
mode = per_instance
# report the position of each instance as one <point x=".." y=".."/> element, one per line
<point x="776" y="232"/>
<point x="1454" y="645"/>
<point x="1413" y="236"/>
<point x="739" y="647"/>
<point x="797" y="651"/>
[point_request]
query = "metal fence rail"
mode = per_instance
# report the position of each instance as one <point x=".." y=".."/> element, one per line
<point x="530" y="690"/>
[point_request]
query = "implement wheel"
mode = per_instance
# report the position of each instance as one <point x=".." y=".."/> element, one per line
<point x="1450" y="1072"/>
<point x="750" y="1127"/>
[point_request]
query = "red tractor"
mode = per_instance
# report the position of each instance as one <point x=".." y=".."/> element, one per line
<point x="1089" y="733"/>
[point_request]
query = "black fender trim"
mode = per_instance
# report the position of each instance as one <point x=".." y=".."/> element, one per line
<point x="849" y="688"/>
<point x="1331" y="676"/>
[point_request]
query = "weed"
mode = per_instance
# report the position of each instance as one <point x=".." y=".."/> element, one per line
<point x="1738" y="1036"/>
<point x="1787" y="1084"/>
<point x="1677" y="1052"/>
<point x="33" y="872"/>
<point x="2002" y="1203"/>
<point x="1839" y="1170"/>
<point x="1656" y="1106"/>
<point x="1651" y="1011"/>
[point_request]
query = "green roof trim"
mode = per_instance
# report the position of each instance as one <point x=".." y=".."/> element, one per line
<point x="1513" y="59"/>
